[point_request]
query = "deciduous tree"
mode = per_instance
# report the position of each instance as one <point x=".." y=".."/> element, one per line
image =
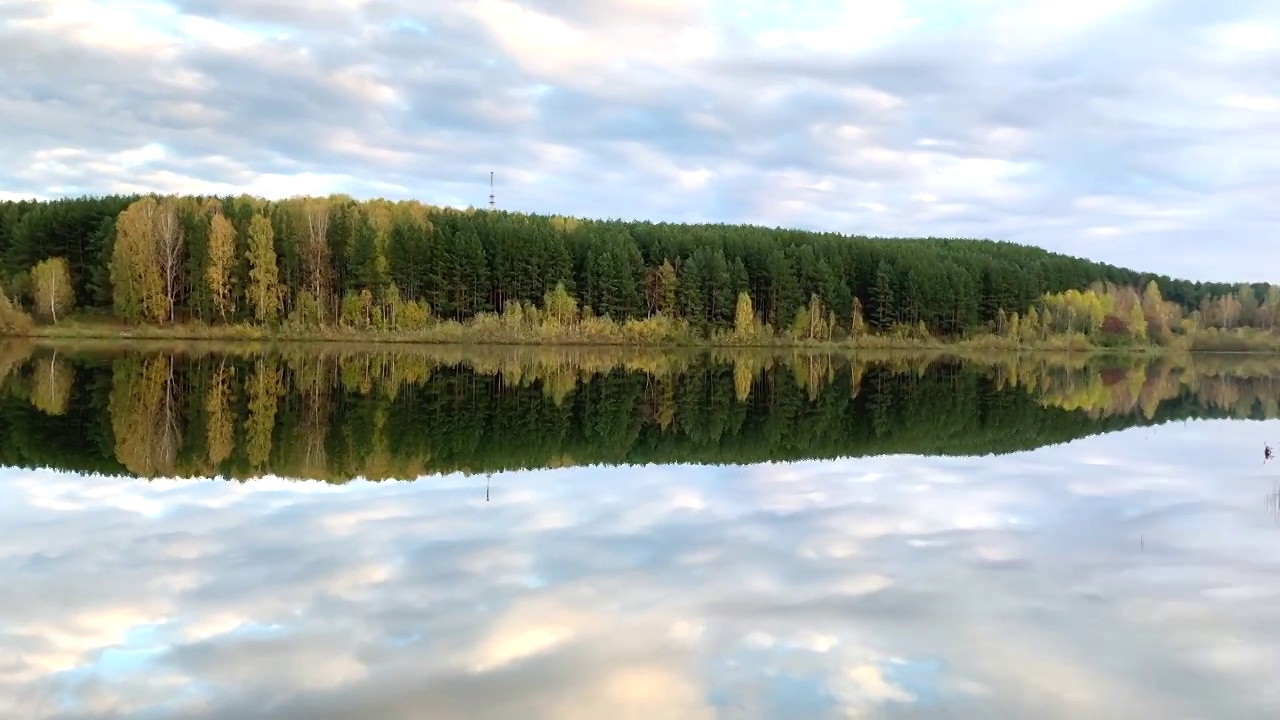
<point x="220" y="263"/>
<point x="264" y="282"/>
<point x="136" y="281"/>
<point x="54" y="293"/>
<point x="170" y="244"/>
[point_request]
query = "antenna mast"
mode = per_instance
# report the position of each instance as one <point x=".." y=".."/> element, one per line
<point x="490" y="189"/>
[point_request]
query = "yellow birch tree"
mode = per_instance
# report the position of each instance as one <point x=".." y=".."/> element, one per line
<point x="136" y="283"/>
<point x="222" y="254"/>
<point x="54" y="294"/>
<point x="264" y="278"/>
<point x="744" y="319"/>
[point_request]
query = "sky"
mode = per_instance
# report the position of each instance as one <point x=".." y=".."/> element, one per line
<point x="1101" y="578"/>
<point x="1144" y="133"/>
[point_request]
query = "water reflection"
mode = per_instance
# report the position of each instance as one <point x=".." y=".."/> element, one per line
<point x="336" y="413"/>
<point x="1128" y="575"/>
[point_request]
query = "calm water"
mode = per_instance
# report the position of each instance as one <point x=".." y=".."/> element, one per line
<point x="603" y="534"/>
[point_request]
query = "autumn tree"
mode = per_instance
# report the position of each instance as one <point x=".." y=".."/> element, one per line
<point x="13" y="321"/>
<point x="660" y="287"/>
<point x="264" y="282"/>
<point x="858" y="320"/>
<point x="1153" y="309"/>
<point x="560" y="306"/>
<point x="315" y="248"/>
<point x="136" y="281"/>
<point x="1228" y="310"/>
<point x="221" y="261"/>
<point x="744" y="319"/>
<point x="54" y="293"/>
<point x="1248" y="304"/>
<point x="1138" y="323"/>
<point x="1270" y="310"/>
<point x="817" y="328"/>
<point x="170" y="245"/>
<point x="1094" y="309"/>
<point x="1031" y="326"/>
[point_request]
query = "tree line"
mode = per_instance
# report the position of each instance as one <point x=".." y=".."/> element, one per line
<point x="339" y="416"/>
<point x="313" y="262"/>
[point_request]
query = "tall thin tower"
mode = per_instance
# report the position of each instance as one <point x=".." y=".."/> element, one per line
<point x="490" y="189"/>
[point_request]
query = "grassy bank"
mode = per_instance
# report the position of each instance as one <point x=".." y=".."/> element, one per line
<point x="495" y="330"/>
<point x="655" y="332"/>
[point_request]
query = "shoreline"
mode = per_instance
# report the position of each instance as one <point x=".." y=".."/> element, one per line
<point x="466" y="336"/>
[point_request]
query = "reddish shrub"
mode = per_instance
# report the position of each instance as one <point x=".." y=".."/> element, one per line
<point x="1113" y="325"/>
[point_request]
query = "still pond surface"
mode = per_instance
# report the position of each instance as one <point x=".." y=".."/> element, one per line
<point x="443" y="533"/>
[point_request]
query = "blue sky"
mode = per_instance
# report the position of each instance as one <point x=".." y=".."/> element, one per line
<point x="895" y="586"/>
<point x="1141" y="132"/>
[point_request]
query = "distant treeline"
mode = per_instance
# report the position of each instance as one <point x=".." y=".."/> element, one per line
<point x="320" y="261"/>
<point x="401" y="415"/>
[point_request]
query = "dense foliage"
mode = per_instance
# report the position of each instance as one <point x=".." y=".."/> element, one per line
<point x="316" y="262"/>
<point x="402" y="415"/>
<point x="1110" y="315"/>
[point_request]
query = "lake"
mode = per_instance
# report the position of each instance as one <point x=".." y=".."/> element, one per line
<point x="203" y="531"/>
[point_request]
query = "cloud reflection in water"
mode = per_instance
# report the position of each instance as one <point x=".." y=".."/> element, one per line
<point x="1127" y="575"/>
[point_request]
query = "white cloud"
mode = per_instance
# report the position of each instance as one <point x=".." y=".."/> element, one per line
<point x="983" y="118"/>
<point x="126" y="27"/>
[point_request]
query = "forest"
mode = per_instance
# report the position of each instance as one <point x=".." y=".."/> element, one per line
<point x="345" y="414"/>
<point x="311" y="264"/>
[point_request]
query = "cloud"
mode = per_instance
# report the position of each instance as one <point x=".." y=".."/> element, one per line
<point x="1139" y="132"/>
<point x="888" y="587"/>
